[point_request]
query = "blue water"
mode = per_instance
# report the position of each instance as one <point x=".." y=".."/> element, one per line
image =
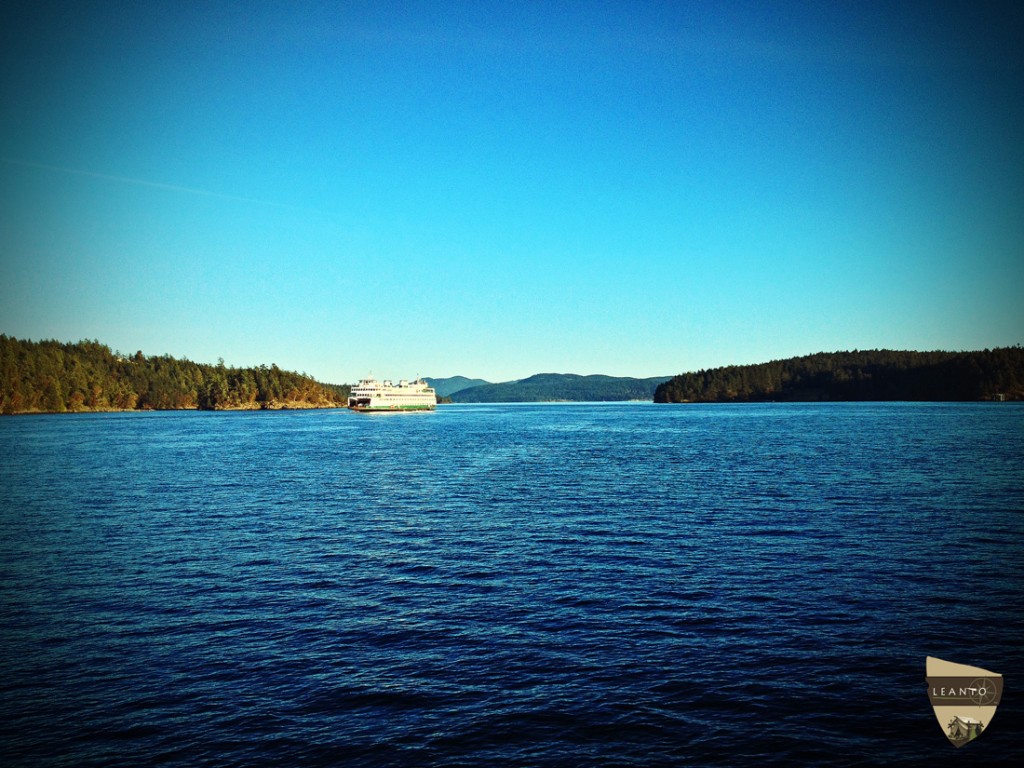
<point x="514" y="585"/>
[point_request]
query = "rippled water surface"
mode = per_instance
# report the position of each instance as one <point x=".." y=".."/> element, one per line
<point x="515" y="585"/>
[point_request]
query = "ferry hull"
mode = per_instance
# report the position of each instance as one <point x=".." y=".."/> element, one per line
<point x="389" y="408"/>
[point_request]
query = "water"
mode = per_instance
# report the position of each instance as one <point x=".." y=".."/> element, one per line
<point x="515" y="585"/>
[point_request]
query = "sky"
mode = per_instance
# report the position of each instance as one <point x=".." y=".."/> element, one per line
<point x="496" y="189"/>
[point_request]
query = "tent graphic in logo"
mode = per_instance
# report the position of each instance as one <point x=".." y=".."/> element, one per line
<point x="964" y="698"/>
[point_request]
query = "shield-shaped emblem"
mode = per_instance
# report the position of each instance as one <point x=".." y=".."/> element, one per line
<point x="964" y="698"/>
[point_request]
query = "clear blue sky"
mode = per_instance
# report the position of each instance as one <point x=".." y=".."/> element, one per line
<point x="501" y="189"/>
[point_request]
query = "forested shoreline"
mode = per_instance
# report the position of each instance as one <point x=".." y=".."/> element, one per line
<point x="54" y="377"/>
<point x="990" y="374"/>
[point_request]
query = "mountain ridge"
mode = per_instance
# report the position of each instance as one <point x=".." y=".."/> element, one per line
<point x="569" y="387"/>
<point x="451" y="384"/>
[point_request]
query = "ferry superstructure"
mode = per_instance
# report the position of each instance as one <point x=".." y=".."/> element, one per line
<point x="371" y="395"/>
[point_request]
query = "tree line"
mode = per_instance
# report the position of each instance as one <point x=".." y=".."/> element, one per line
<point x="50" y="376"/>
<point x="881" y="374"/>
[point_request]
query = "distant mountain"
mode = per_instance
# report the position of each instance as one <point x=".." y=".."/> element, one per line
<point x="877" y="374"/>
<point x="446" y="387"/>
<point x="549" y="387"/>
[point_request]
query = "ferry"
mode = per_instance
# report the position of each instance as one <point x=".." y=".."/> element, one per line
<point x="370" y="395"/>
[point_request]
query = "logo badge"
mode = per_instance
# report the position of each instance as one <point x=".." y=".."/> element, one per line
<point x="964" y="698"/>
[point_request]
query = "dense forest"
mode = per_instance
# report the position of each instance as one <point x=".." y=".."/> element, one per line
<point x="550" y="387"/>
<point x="48" y="376"/>
<point x="991" y="374"/>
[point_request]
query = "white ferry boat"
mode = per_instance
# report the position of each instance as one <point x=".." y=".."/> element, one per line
<point x="372" y="395"/>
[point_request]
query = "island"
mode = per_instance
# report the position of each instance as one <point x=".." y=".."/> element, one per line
<point x="880" y="374"/>
<point x="53" y="377"/>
